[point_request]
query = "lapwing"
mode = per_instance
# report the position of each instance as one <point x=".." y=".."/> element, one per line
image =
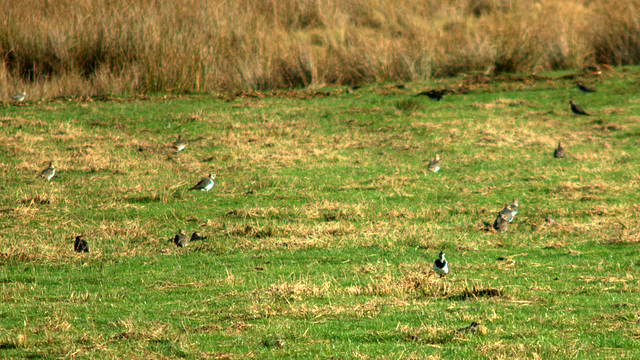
<point x="434" y="165"/>
<point x="19" y="96"/>
<point x="514" y="207"/>
<point x="205" y="184"/>
<point x="80" y="245"/>
<point x="179" y="144"/>
<point x="440" y="266"/>
<point x="501" y="224"/>
<point x="559" y="152"/>
<point x="577" y="109"/>
<point x="508" y="212"/>
<point x="196" y="236"/>
<point x="585" y="89"/>
<point x="434" y="95"/>
<point x="49" y="172"/>
<point x="181" y="240"/>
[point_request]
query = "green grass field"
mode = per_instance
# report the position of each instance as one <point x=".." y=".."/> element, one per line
<point x="324" y="224"/>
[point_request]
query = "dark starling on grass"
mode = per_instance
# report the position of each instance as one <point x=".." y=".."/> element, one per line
<point x="577" y="109"/>
<point x="80" y="245"/>
<point x="559" y="152"/>
<point x="196" y="236"/>
<point x="585" y="89"/>
<point x="434" y="95"/>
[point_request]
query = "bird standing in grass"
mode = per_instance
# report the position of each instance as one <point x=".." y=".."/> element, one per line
<point x="181" y="239"/>
<point x="440" y="266"/>
<point x="585" y="89"/>
<point x="508" y="212"/>
<point x="577" y="109"/>
<point x="434" y="165"/>
<point x="434" y="95"/>
<point x="559" y="152"/>
<point x="179" y="144"/>
<point x="501" y="224"/>
<point x="19" y="96"/>
<point x="196" y="236"/>
<point x="205" y="184"/>
<point x="49" y="172"/>
<point x="80" y="245"/>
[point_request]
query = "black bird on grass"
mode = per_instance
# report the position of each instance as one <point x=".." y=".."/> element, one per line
<point x="434" y="95"/>
<point x="559" y="152"/>
<point x="577" y="109"/>
<point x="196" y="236"/>
<point x="80" y="245"/>
<point x="585" y="89"/>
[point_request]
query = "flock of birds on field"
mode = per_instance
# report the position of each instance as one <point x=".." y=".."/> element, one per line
<point x="440" y="266"/>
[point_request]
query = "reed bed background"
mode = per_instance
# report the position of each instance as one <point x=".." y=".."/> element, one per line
<point x="97" y="47"/>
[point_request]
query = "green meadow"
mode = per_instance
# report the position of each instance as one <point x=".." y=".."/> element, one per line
<point x="323" y="225"/>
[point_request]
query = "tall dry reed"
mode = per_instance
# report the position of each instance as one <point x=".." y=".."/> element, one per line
<point x="93" y="47"/>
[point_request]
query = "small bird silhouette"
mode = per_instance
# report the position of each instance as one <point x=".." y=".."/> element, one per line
<point x="440" y="266"/>
<point x="179" y="144"/>
<point x="501" y="224"/>
<point x="181" y="240"/>
<point x="577" y="109"/>
<point x="205" y="184"/>
<point x="19" y="96"/>
<point x="80" y="245"/>
<point x="196" y="236"/>
<point x="559" y="152"/>
<point x="48" y="172"/>
<point x="434" y="95"/>
<point x="585" y="89"/>
<point x="434" y="165"/>
<point x="401" y="86"/>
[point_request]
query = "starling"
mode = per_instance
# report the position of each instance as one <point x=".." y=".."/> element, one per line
<point x="577" y="109"/>
<point x="440" y="266"/>
<point x="19" y="96"/>
<point x="434" y="165"/>
<point x="49" y="172"/>
<point x="434" y="95"/>
<point x="181" y="240"/>
<point x="205" y="184"/>
<point x="196" y="236"/>
<point x="585" y="89"/>
<point x="179" y="144"/>
<point x="80" y="245"/>
<point x="501" y="224"/>
<point x="559" y="152"/>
